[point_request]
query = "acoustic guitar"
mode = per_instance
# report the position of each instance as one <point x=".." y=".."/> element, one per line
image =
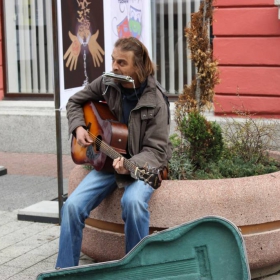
<point x="109" y="142"/>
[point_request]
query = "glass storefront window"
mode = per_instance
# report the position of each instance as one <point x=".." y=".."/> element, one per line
<point x="28" y="46"/>
<point x="170" y="52"/>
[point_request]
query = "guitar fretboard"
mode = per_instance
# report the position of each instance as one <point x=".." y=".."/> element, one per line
<point x="111" y="153"/>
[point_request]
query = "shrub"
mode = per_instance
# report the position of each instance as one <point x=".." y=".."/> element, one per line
<point x="250" y="138"/>
<point x="229" y="165"/>
<point x="202" y="150"/>
<point x="204" y="138"/>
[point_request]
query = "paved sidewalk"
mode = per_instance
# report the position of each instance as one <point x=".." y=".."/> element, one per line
<point x="28" y="248"/>
<point x="30" y="178"/>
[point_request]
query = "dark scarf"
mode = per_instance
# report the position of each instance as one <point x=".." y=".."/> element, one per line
<point x="130" y="97"/>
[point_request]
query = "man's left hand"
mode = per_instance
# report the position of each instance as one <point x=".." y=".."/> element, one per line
<point x="118" y="165"/>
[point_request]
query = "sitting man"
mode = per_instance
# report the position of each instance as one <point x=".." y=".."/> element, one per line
<point x="143" y="107"/>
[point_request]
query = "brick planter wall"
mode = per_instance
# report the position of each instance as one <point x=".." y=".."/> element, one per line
<point x="251" y="203"/>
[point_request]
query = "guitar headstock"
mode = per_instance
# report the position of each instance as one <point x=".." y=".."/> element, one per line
<point x="151" y="176"/>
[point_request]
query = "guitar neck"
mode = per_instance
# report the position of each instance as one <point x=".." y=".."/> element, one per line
<point x="113" y="154"/>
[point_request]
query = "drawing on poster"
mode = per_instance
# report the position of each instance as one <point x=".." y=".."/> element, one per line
<point x="83" y="41"/>
<point x="127" y="19"/>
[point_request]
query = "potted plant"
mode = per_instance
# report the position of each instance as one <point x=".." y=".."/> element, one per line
<point x="203" y="149"/>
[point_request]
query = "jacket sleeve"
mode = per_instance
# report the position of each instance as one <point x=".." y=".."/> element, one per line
<point x="74" y="107"/>
<point x="155" y="148"/>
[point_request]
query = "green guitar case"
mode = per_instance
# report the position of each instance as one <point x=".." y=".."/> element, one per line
<point x="210" y="248"/>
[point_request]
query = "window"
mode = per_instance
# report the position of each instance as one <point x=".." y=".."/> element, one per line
<point x="28" y="46"/>
<point x="169" y="46"/>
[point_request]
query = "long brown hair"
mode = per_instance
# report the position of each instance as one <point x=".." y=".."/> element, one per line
<point x="142" y="61"/>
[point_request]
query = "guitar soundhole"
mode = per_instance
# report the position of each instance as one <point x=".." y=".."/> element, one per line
<point x="98" y="142"/>
<point x="90" y="153"/>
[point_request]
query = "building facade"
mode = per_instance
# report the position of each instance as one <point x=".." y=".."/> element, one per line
<point x="246" y="44"/>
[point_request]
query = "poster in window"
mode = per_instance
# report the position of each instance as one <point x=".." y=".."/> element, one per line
<point x="126" y="18"/>
<point x="82" y="47"/>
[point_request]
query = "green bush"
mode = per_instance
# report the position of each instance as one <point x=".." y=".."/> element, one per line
<point x="229" y="164"/>
<point x="250" y="137"/>
<point x="202" y="150"/>
<point x="180" y="166"/>
<point x="204" y="137"/>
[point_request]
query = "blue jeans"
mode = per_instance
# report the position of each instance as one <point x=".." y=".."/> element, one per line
<point x="88" y="195"/>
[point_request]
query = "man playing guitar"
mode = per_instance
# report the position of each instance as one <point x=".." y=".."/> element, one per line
<point x="137" y="101"/>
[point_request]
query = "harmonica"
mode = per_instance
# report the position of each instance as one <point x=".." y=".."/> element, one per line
<point x="121" y="78"/>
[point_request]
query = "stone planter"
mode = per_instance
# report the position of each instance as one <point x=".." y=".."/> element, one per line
<point x="251" y="203"/>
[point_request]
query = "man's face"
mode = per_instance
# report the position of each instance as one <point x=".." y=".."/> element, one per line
<point x="123" y="64"/>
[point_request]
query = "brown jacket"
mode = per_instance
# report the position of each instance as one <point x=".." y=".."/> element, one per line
<point x="148" y="127"/>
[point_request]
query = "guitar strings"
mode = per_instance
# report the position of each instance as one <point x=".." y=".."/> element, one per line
<point x="112" y="153"/>
<point x="128" y="164"/>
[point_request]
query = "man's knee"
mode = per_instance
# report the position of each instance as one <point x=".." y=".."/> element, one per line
<point x="72" y="210"/>
<point x="133" y="204"/>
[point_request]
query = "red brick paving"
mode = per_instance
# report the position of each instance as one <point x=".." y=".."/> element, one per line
<point x="35" y="164"/>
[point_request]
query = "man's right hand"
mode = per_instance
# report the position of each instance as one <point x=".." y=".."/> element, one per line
<point x="83" y="139"/>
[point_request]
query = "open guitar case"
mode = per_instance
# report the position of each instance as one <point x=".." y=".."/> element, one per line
<point x="210" y="248"/>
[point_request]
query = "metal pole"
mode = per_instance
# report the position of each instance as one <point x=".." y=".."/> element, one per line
<point x="57" y="108"/>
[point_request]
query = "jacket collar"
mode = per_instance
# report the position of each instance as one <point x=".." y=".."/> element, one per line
<point x="148" y="97"/>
